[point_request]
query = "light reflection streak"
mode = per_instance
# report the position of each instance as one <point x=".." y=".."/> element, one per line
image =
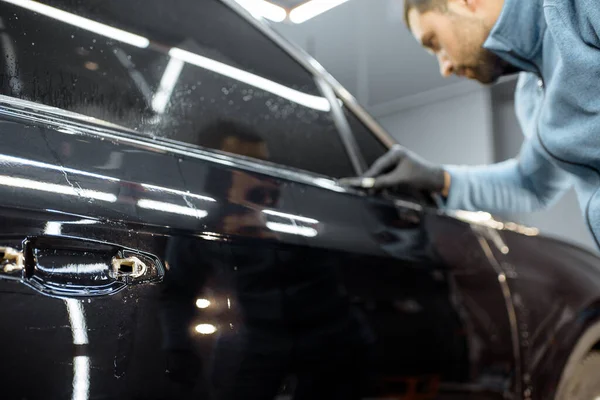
<point x="291" y="216"/>
<point x="77" y="319"/>
<point x="11" y="62"/>
<point x="167" y="84"/>
<point x="311" y="9"/>
<point x="171" y="208"/>
<point x="55" y="188"/>
<point x="23" y="161"/>
<point x="179" y="192"/>
<point x="81" y="364"/>
<point x="292" y="229"/>
<point x="262" y="8"/>
<point x="81" y="378"/>
<point x="53" y="228"/>
<point x="83" y="23"/>
<point x="77" y="269"/>
<point x="308" y="100"/>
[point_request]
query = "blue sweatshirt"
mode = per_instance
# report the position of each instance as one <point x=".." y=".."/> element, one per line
<point x="556" y="43"/>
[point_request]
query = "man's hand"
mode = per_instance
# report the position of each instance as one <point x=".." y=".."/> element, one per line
<point x="401" y="167"/>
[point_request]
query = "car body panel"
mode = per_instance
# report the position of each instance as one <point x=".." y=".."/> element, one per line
<point x="268" y="280"/>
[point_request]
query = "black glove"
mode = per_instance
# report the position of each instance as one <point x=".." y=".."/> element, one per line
<point x="401" y="167"/>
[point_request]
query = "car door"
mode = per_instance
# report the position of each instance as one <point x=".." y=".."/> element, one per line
<point x="172" y="227"/>
<point x="149" y="231"/>
<point x="432" y="310"/>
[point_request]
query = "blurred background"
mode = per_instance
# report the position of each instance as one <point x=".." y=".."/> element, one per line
<point x="366" y="47"/>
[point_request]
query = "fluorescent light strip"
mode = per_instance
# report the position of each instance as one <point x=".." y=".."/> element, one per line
<point x="179" y="192"/>
<point x="261" y="8"/>
<point x="171" y="208"/>
<point x="54" y="188"/>
<point x="291" y="216"/>
<point x="83" y="23"/>
<point x="307" y="100"/>
<point x="167" y="84"/>
<point x="23" y="161"/>
<point x="313" y="8"/>
<point x="292" y="229"/>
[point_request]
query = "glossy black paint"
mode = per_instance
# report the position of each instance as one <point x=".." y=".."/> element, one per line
<point x="264" y="280"/>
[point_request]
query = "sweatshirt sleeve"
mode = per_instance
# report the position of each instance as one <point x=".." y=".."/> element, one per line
<point x="524" y="184"/>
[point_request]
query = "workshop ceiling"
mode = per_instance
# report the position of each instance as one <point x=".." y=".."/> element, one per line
<point x="365" y="45"/>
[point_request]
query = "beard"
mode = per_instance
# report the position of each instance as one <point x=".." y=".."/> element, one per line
<point x="487" y="67"/>
<point x="474" y="61"/>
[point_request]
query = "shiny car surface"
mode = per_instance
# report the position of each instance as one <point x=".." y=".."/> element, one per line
<point x="172" y="227"/>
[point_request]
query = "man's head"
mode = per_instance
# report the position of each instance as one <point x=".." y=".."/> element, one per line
<point x="455" y="31"/>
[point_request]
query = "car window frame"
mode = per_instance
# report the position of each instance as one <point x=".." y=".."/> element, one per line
<point x="25" y="111"/>
<point x="316" y="70"/>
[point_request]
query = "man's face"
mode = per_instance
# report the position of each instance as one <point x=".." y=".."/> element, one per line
<point x="456" y="36"/>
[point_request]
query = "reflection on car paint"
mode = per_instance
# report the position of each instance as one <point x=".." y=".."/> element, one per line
<point x="277" y="283"/>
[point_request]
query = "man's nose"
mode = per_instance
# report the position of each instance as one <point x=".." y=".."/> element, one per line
<point x="446" y="67"/>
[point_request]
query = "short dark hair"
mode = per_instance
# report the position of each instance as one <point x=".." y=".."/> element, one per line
<point x="423" y="6"/>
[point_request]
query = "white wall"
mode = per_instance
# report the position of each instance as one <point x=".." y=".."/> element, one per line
<point x="454" y="129"/>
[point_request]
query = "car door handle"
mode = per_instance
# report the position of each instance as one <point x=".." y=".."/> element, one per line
<point x="61" y="266"/>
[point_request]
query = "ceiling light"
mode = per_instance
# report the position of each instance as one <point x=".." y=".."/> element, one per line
<point x="83" y="23"/>
<point x="311" y="9"/>
<point x="265" y="9"/>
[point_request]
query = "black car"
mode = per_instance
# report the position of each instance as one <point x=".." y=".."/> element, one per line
<point x="173" y="227"/>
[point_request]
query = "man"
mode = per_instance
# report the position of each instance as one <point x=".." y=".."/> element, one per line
<point x="556" y="46"/>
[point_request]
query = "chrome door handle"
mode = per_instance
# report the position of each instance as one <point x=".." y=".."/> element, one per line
<point x="62" y="266"/>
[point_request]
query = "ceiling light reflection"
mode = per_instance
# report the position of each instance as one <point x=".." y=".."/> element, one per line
<point x="81" y="378"/>
<point x="171" y="208"/>
<point x="292" y="229"/>
<point x="53" y="228"/>
<point x="167" y="84"/>
<point x="24" y="161"/>
<point x="77" y="320"/>
<point x="83" y="23"/>
<point x="312" y="8"/>
<point x="202" y="303"/>
<point x="54" y="188"/>
<point x="182" y="193"/>
<point x="206" y="329"/>
<point x="261" y="8"/>
<point x="305" y="99"/>
<point x="292" y="216"/>
<point x="77" y="269"/>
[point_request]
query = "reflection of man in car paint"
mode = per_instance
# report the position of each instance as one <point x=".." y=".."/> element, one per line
<point x="194" y="265"/>
<point x="288" y="314"/>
